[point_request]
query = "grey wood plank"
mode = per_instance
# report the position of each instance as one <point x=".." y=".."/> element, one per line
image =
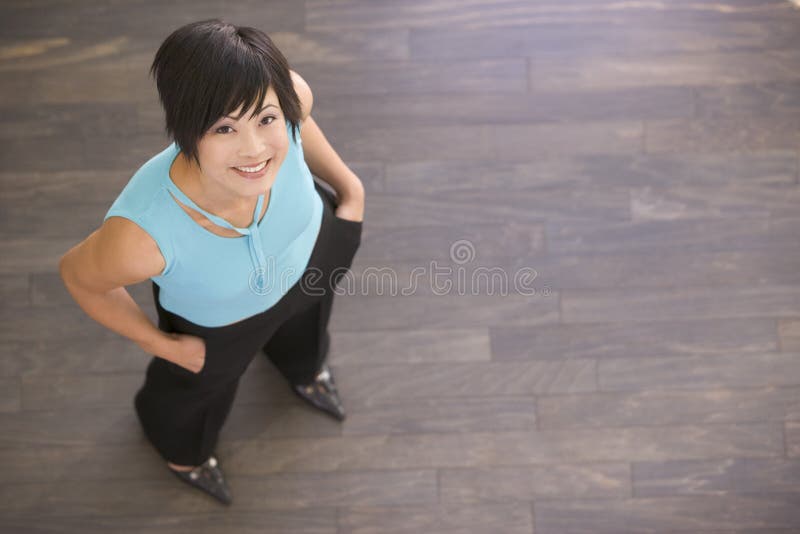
<point x="42" y="392"/>
<point x="442" y="311"/>
<point x="445" y="519"/>
<point x="424" y="142"/>
<point x="410" y="346"/>
<point x="22" y="154"/>
<point x="462" y="212"/>
<point x="369" y="383"/>
<point x="638" y="268"/>
<point x="606" y="516"/>
<point x="15" y="89"/>
<point x="107" y="81"/>
<point x="792" y="408"/>
<point x="761" y="97"/>
<point x="556" y="203"/>
<point x="655" y="407"/>
<point x="15" y="290"/>
<point x="789" y="335"/>
<point x="131" y="458"/>
<point x="93" y="18"/>
<point x="48" y="289"/>
<point x="640" y="160"/>
<point x="517" y="142"/>
<point x="510" y="484"/>
<point x="281" y="491"/>
<point x="103" y="424"/>
<point x="49" y="323"/>
<point x="341" y="47"/>
<point x="368" y="77"/>
<point x="126" y="152"/>
<point x="10" y="395"/>
<point x="302" y="521"/>
<point x="415" y="240"/>
<point x="466" y="414"/>
<point x="17" y="224"/>
<point x="699" y="372"/>
<point x="681" y="235"/>
<point x="273" y="420"/>
<point x="630" y="270"/>
<point x="698" y="202"/>
<point x="67" y="120"/>
<point x="753" y="133"/>
<point x="493" y="107"/>
<point x="561" y="36"/>
<point x="642" y="340"/>
<point x="763" y="168"/>
<point x="417" y="14"/>
<point x="739" y="476"/>
<point x="65" y="186"/>
<point x="263" y="384"/>
<point x="792" y="432"/>
<point x="579" y="306"/>
<point x="682" y="69"/>
<point x="506" y="449"/>
<point x="498" y="274"/>
<point x="69" y="426"/>
<point x="33" y="254"/>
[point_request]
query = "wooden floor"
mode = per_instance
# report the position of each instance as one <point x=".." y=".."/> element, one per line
<point x="622" y="179"/>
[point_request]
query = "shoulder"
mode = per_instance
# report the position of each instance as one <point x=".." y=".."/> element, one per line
<point x="117" y="254"/>
<point x="304" y="93"/>
<point x="146" y="185"/>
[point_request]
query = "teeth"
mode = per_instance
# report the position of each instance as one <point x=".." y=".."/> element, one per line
<point x="252" y="169"/>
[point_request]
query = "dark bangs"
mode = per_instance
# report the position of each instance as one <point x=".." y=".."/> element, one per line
<point x="208" y="69"/>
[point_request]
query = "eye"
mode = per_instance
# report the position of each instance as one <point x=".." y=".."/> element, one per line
<point x="266" y="121"/>
<point x="221" y="129"/>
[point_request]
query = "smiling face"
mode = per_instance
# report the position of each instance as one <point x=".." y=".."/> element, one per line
<point x="241" y="153"/>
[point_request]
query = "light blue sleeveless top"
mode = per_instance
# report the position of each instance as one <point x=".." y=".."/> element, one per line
<point x="212" y="280"/>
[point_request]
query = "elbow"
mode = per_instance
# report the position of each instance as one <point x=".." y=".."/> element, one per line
<point x="65" y="267"/>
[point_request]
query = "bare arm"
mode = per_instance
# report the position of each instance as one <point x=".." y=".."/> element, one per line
<point x="322" y="159"/>
<point x="96" y="270"/>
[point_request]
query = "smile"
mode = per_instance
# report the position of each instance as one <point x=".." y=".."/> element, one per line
<point x="257" y="168"/>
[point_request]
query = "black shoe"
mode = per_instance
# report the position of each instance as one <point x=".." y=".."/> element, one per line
<point x="207" y="477"/>
<point x="322" y="394"/>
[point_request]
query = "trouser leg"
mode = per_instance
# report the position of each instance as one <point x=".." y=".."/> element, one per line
<point x="299" y="347"/>
<point x="182" y="413"/>
<point x="183" y="426"/>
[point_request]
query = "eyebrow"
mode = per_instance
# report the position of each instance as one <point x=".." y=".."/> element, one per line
<point x="259" y="111"/>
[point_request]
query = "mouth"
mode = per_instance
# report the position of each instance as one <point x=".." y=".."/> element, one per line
<point x="254" y="168"/>
<point x="254" y="171"/>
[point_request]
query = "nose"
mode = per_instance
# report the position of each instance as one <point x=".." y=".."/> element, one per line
<point x="252" y="144"/>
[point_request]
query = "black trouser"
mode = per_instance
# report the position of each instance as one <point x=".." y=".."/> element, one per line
<point x="182" y="412"/>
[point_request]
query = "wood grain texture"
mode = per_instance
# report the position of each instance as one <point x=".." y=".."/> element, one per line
<point x="638" y="162"/>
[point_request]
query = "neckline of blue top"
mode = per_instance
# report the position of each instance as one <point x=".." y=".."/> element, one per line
<point x="252" y="232"/>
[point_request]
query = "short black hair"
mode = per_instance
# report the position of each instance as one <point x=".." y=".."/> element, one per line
<point x="205" y="70"/>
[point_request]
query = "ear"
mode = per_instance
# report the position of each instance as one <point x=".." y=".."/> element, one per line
<point x="304" y="93"/>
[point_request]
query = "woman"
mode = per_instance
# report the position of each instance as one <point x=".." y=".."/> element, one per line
<point x="243" y="248"/>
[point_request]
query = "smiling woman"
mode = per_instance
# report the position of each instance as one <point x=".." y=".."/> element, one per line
<point x="235" y="235"/>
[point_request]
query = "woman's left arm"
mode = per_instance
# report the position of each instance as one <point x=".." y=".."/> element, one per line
<point x="324" y="162"/>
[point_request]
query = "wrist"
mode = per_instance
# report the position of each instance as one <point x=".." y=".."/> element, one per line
<point x="159" y="345"/>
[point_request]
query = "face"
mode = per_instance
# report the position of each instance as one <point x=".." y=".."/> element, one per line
<point x="241" y="158"/>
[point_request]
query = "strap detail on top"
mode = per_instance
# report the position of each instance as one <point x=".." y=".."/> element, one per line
<point x="257" y="279"/>
<point x="219" y="221"/>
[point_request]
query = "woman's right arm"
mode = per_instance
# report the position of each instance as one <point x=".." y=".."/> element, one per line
<point x="96" y="271"/>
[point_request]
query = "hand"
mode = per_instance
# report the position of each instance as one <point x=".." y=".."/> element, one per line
<point x="351" y="207"/>
<point x="188" y="352"/>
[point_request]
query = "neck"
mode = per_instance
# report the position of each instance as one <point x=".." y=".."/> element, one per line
<point x="207" y="194"/>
